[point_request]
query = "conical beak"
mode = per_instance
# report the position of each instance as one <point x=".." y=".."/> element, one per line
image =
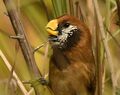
<point x="52" y="26"/>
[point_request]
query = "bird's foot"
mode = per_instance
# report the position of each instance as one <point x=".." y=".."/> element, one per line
<point x="43" y="81"/>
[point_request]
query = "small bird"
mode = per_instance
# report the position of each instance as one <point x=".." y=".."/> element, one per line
<point x="72" y="66"/>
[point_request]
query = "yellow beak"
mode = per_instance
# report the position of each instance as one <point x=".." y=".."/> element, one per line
<point x="52" y="26"/>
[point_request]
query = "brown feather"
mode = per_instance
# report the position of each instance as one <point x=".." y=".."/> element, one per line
<point x="72" y="72"/>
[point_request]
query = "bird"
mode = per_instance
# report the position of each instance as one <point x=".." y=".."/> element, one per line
<point x="72" y="65"/>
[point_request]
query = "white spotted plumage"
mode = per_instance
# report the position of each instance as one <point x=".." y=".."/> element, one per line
<point x="66" y="32"/>
<point x="64" y="35"/>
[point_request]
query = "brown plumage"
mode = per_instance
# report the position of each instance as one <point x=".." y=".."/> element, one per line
<point x="72" y="67"/>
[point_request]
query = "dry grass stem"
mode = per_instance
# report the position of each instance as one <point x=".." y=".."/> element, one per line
<point x="103" y="36"/>
<point x="20" y="84"/>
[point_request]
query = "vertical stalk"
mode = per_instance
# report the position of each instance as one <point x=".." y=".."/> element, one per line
<point x="91" y="17"/>
<point x="118" y="9"/>
<point x="78" y="12"/>
<point x="98" y="63"/>
<point x="77" y="9"/>
<point x="105" y="43"/>
<point x="21" y="37"/>
<point x="71" y="7"/>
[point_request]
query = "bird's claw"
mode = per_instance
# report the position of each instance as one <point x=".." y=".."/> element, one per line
<point x="43" y="81"/>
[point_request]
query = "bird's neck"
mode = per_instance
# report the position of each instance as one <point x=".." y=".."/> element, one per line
<point x="76" y="54"/>
<point x="83" y="54"/>
<point x="60" y="60"/>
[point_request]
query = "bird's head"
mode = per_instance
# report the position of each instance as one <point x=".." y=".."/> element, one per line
<point x="65" y="31"/>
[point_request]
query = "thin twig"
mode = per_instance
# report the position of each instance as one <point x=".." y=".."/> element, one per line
<point x="114" y="34"/>
<point x="98" y="63"/>
<point x="45" y="72"/>
<point x="103" y="70"/>
<point x="40" y="46"/>
<point x="20" y="84"/>
<point x="115" y="40"/>
<point x="11" y="72"/>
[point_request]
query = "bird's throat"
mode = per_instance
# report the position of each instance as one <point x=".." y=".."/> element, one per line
<point x="60" y="60"/>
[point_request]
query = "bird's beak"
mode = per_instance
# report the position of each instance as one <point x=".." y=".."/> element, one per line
<point x="52" y="26"/>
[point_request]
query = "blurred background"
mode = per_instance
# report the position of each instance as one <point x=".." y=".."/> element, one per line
<point x="34" y="15"/>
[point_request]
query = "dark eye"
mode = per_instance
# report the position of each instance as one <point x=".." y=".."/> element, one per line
<point x="66" y="25"/>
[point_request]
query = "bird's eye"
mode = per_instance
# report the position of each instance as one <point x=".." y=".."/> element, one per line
<point x="66" y="25"/>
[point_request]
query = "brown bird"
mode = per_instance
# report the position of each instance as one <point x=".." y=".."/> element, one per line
<point x="72" y="66"/>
